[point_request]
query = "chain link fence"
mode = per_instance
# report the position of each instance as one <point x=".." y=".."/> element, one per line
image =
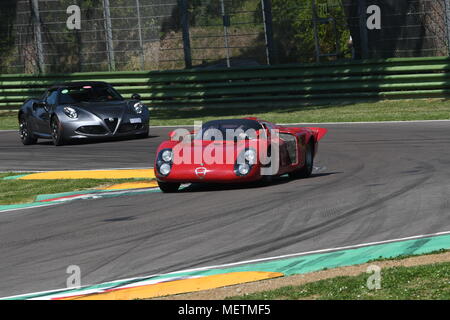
<point x="174" y="34"/>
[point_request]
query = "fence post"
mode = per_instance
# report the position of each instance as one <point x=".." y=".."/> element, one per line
<point x="316" y="31"/>
<point x="141" y="43"/>
<point x="38" y="36"/>
<point x="184" y="20"/>
<point x="226" y="23"/>
<point x="109" y="41"/>
<point x="268" y="31"/>
<point x="447" y="23"/>
<point x="363" y="34"/>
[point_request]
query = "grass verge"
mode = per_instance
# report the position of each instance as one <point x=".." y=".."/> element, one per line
<point x="389" y="110"/>
<point x="426" y="282"/>
<point x="25" y="191"/>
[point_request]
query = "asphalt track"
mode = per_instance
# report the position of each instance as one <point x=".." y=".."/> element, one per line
<point x="81" y="155"/>
<point x="374" y="182"/>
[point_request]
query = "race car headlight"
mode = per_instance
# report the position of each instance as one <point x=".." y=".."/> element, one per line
<point x="71" y="112"/>
<point x="165" y="169"/>
<point x="138" y="108"/>
<point x="250" y="156"/>
<point x="164" y="162"/>
<point x="167" y="155"/>
<point x="245" y="162"/>
<point x="243" y="169"/>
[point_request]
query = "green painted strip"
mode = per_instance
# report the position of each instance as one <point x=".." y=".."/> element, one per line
<point x="10" y="207"/>
<point x="104" y="194"/>
<point x="296" y="265"/>
<point x="15" y="177"/>
<point x="316" y="262"/>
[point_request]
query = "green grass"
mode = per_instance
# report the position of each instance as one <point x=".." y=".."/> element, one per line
<point x="390" y="110"/>
<point x="427" y="282"/>
<point x="25" y="191"/>
<point x="8" y="121"/>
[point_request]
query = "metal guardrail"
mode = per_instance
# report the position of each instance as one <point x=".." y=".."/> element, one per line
<point x="293" y="84"/>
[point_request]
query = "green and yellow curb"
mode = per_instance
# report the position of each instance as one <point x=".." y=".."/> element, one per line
<point x="88" y="174"/>
<point x="180" y="286"/>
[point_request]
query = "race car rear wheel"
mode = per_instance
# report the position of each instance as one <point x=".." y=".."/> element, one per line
<point x="26" y="136"/>
<point x="307" y="169"/>
<point x="57" y="137"/>
<point x="168" y="187"/>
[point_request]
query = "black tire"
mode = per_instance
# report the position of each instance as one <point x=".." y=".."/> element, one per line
<point x="56" y="129"/>
<point x="307" y="169"/>
<point x="168" y="187"/>
<point x="265" y="180"/>
<point x="26" y="136"/>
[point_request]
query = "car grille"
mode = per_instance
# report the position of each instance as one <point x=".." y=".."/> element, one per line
<point x="112" y="123"/>
<point x="91" y="130"/>
<point x="128" y="127"/>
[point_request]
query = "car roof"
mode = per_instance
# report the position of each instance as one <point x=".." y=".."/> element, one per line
<point x="79" y="84"/>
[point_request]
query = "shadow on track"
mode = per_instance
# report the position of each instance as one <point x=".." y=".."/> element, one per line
<point x="95" y="141"/>
<point x="210" y="187"/>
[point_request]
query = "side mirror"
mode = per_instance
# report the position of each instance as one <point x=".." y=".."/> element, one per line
<point x="172" y="135"/>
<point x="40" y="105"/>
<point x="136" y="96"/>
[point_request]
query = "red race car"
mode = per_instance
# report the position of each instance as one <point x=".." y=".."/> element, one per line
<point x="235" y="151"/>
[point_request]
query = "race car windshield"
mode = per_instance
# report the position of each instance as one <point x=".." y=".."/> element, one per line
<point x="89" y="94"/>
<point x="229" y="130"/>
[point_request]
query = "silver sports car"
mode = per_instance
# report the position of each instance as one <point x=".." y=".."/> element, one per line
<point x="82" y="110"/>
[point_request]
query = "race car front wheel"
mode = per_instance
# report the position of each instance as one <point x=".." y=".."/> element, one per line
<point x="57" y="137"/>
<point x="306" y="170"/>
<point x="168" y="187"/>
<point x="26" y="136"/>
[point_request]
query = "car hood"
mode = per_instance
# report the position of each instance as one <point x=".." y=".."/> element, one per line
<point x="115" y="109"/>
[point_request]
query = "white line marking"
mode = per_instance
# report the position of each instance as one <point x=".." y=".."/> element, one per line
<point x="31" y="207"/>
<point x="317" y="251"/>
<point x="249" y="262"/>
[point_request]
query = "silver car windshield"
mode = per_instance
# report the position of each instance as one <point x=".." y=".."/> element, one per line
<point x="89" y="94"/>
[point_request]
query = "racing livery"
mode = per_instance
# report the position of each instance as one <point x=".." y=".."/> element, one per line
<point x="81" y="110"/>
<point x="269" y="150"/>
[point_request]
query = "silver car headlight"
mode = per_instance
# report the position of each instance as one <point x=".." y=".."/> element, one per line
<point x="243" y="169"/>
<point x="71" y="112"/>
<point x="167" y="155"/>
<point x="138" y="107"/>
<point x="250" y="156"/>
<point x="165" y="169"/>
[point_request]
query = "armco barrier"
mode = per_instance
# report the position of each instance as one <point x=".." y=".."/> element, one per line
<point x="295" y="84"/>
